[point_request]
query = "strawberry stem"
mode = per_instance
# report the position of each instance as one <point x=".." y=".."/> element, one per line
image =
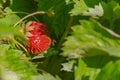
<point x="29" y="15"/>
<point x="20" y="13"/>
<point x="19" y="44"/>
<point x="65" y="32"/>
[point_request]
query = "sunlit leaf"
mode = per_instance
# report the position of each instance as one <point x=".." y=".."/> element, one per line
<point x="79" y="7"/>
<point x="96" y="11"/>
<point x="12" y="61"/>
<point x="68" y="66"/>
<point x="91" y="38"/>
<point x="9" y="18"/>
<point x="83" y="72"/>
<point x="45" y="76"/>
<point x="110" y="71"/>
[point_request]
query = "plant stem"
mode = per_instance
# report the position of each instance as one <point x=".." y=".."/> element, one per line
<point x="29" y="15"/>
<point x="20" y="13"/>
<point x="65" y="32"/>
<point x="19" y="44"/>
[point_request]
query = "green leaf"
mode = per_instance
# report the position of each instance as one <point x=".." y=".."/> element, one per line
<point x="51" y="64"/>
<point x="92" y="3"/>
<point x="4" y="4"/>
<point x="98" y="61"/>
<point x="3" y="48"/>
<point x="90" y="39"/>
<point x="68" y="1"/>
<point x="107" y="10"/>
<point x="97" y="11"/>
<point x="83" y="72"/>
<point x="8" y="32"/>
<point x="110" y="71"/>
<point x="45" y="76"/>
<point x="5" y="29"/>
<point x="80" y="69"/>
<point x="13" y="62"/>
<point x="116" y="10"/>
<point x="10" y="18"/>
<point x="23" y="5"/>
<point x="57" y="23"/>
<point x="8" y="74"/>
<point x="111" y="15"/>
<point x="79" y="7"/>
<point x="68" y="66"/>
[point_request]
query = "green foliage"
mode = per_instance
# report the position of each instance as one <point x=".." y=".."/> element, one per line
<point x="83" y="72"/>
<point x="23" y="5"/>
<point x="89" y="39"/>
<point x="111" y="15"/>
<point x="4" y="4"/>
<point x="79" y="7"/>
<point x="110" y="71"/>
<point x="12" y="60"/>
<point x="57" y="23"/>
<point x="9" y="19"/>
<point x="92" y="3"/>
<point x="6" y="30"/>
<point x="45" y="76"/>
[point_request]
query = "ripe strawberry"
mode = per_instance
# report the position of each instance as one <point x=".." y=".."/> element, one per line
<point x="38" y="39"/>
<point x="36" y="28"/>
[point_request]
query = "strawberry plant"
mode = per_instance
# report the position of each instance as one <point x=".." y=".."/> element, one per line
<point x="59" y="40"/>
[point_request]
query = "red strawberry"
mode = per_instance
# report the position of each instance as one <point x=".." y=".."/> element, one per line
<point x="38" y="39"/>
<point x="36" y="28"/>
